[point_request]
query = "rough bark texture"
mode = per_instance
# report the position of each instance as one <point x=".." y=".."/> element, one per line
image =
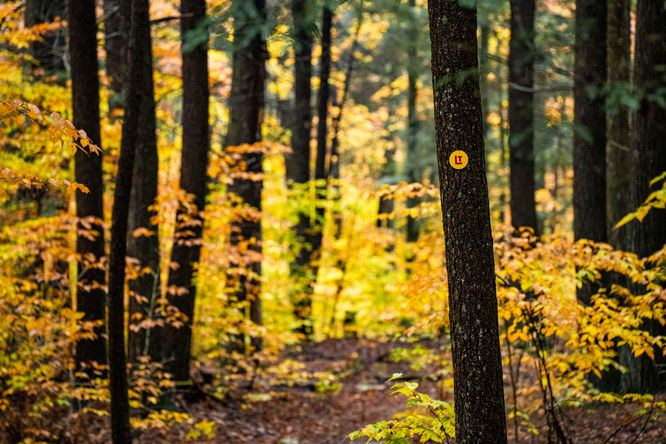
<point x="589" y="151"/>
<point x="619" y="158"/>
<point x="245" y="119"/>
<point x="144" y="291"/>
<point x="484" y="69"/>
<point x="648" y="143"/>
<point x="298" y="161"/>
<point x="118" y="387"/>
<point x="620" y="161"/>
<point x="193" y="180"/>
<point x="49" y="53"/>
<point x="477" y="367"/>
<point x="521" y="114"/>
<point x="413" y="173"/>
<point x="90" y="296"/>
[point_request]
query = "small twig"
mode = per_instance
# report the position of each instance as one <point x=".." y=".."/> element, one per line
<point x="169" y="18"/>
<point x="649" y="415"/>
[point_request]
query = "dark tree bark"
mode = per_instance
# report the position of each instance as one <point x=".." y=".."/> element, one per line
<point x="521" y="114"/>
<point x="90" y="296"/>
<point x="145" y="247"/>
<point x="298" y="161"/>
<point x="116" y="27"/>
<point x="193" y="180"/>
<point x="477" y="367"/>
<point x="649" y="134"/>
<point x="49" y="53"/>
<point x="484" y="69"/>
<point x="413" y="173"/>
<point x="323" y="96"/>
<point x="589" y="152"/>
<point x="118" y="387"/>
<point x="620" y="160"/>
<point x="245" y="119"/>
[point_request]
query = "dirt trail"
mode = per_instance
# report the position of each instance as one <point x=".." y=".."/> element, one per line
<point x="306" y="413"/>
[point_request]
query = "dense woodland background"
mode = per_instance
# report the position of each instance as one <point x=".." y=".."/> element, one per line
<point x="222" y="220"/>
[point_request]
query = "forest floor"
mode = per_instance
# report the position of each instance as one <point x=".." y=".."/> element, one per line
<point x="332" y="388"/>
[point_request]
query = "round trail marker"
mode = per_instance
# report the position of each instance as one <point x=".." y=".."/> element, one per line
<point x="458" y="159"/>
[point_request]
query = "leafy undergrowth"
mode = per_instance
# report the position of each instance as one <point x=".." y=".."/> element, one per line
<point x="327" y="390"/>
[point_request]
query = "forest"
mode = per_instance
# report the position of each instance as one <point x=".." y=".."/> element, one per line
<point x="332" y="221"/>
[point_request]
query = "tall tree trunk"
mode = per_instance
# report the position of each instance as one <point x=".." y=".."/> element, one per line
<point x="245" y="119"/>
<point x="619" y="166"/>
<point x="116" y="27"/>
<point x="145" y="290"/>
<point x="477" y="366"/>
<point x="589" y="151"/>
<point x="484" y="69"/>
<point x="649" y="134"/>
<point x="49" y="52"/>
<point x="413" y="173"/>
<point x="298" y="162"/>
<point x="91" y="297"/>
<point x="323" y="96"/>
<point x="193" y="180"/>
<point x="118" y="387"/>
<point x="620" y="161"/>
<point x="521" y="114"/>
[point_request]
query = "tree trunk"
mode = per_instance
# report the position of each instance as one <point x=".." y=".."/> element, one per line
<point x="193" y="180"/>
<point x="484" y="69"/>
<point x="298" y="162"/>
<point x="477" y="367"/>
<point x="245" y="119"/>
<point x="619" y="166"/>
<point x="91" y="297"/>
<point x="649" y="134"/>
<point x="620" y="160"/>
<point x="118" y="387"/>
<point x="521" y="114"/>
<point x="49" y="53"/>
<point x="589" y="141"/>
<point x="116" y="26"/>
<point x="413" y="173"/>
<point x="322" y="128"/>
<point x="144" y="291"/>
